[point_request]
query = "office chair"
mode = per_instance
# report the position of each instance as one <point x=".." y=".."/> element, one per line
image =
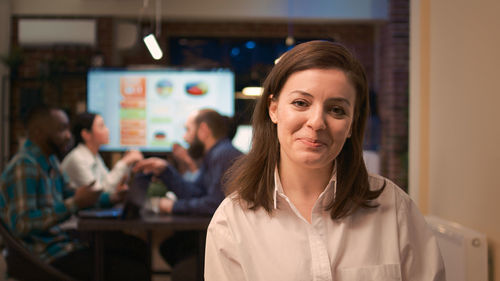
<point x="23" y="265"/>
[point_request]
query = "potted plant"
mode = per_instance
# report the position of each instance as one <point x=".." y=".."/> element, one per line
<point x="13" y="60"/>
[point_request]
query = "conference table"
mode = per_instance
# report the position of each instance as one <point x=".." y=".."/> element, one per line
<point x="147" y="222"/>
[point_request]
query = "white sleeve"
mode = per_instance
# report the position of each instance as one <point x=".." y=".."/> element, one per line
<point x="420" y="256"/>
<point x="78" y="171"/>
<point x="115" y="176"/>
<point x="221" y="255"/>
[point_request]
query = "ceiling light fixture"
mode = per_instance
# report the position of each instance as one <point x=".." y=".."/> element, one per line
<point x="153" y="46"/>
<point x="150" y="39"/>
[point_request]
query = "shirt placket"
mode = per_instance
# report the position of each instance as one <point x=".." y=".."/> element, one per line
<point x="320" y="261"/>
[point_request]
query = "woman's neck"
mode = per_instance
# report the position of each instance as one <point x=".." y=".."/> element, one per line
<point x="303" y="183"/>
<point x="303" y="186"/>
<point x="93" y="148"/>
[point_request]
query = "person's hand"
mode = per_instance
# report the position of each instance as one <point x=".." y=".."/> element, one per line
<point x="132" y="156"/>
<point x="166" y="205"/>
<point x="85" y="196"/>
<point x="119" y="194"/>
<point x="181" y="155"/>
<point x="151" y="165"/>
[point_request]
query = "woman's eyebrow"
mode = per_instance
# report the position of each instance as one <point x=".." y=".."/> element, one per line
<point x="335" y="99"/>
<point x="340" y="100"/>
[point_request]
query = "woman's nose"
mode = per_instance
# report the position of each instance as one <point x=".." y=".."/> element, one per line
<point x="316" y="118"/>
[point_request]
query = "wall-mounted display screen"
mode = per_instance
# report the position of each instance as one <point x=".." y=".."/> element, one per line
<point x="147" y="109"/>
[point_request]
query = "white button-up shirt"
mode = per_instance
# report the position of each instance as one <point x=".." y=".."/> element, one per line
<point x="389" y="243"/>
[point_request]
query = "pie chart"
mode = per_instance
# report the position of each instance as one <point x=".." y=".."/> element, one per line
<point x="196" y="88"/>
<point x="164" y="88"/>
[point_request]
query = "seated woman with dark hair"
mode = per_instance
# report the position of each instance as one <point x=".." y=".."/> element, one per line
<point x="84" y="165"/>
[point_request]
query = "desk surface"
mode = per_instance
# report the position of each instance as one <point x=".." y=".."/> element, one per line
<point x="147" y="221"/>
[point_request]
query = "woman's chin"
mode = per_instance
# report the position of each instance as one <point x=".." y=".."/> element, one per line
<point x="311" y="162"/>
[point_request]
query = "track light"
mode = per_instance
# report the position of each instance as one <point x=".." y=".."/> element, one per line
<point x="153" y="47"/>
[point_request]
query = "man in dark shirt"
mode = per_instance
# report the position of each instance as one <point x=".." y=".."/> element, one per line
<point x="207" y="133"/>
<point x="35" y="197"/>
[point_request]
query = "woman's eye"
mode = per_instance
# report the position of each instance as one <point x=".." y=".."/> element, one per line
<point x="299" y="103"/>
<point x="337" y="110"/>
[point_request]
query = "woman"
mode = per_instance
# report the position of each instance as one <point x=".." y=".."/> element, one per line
<point x="304" y="206"/>
<point x="84" y="164"/>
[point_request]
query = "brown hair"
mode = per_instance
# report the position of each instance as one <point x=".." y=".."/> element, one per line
<point x="252" y="176"/>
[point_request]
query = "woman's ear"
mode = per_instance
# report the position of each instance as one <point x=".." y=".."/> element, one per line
<point x="273" y="106"/>
<point x="86" y="135"/>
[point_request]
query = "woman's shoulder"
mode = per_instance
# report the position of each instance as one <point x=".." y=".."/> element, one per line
<point x="223" y="215"/>
<point x="230" y="204"/>
<point x="391" y="190"/>
<point x="232" y="208"/>
<point x="234" y="219"/>
<point x="80" y="155"/>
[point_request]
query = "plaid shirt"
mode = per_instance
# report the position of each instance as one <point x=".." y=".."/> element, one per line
<point x="34" y="198"/>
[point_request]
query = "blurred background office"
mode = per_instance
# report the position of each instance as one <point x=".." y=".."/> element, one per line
<point x="432" y="68"/>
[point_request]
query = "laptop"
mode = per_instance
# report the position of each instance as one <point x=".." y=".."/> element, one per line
<point x="130" y="209"/>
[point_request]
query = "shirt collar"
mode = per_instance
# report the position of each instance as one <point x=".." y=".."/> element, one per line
<point x="33" y="150"/>
<point x="330" y="189"/>
<point x="86" y="153"/>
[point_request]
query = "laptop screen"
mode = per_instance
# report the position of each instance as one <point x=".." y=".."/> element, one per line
<point x="134" y="202"/>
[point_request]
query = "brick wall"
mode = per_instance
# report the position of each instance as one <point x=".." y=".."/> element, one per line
<point x="55" y="75"/>
<point x="393" y="80"/>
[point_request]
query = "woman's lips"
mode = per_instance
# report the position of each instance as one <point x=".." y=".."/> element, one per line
<point x="312" y="142"/>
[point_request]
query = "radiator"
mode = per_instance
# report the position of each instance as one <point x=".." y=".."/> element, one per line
<point x="464" y="250"/>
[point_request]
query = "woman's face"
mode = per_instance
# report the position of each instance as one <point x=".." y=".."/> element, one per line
<point x="314" y="114"/>
<point x="100" y="133"/>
